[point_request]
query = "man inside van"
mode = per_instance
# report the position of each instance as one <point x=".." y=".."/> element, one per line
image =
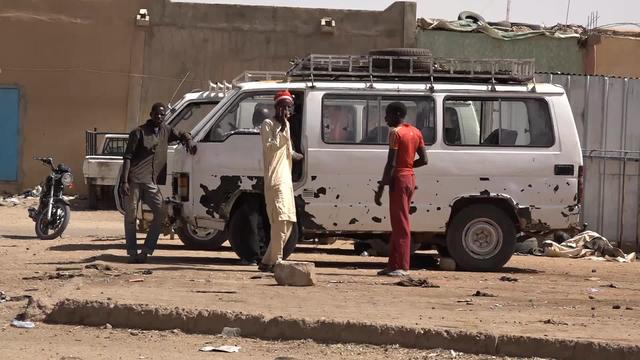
<point x="405" y="141"/>
<point x="144" y="168"/>
<point x="278" y="156"/>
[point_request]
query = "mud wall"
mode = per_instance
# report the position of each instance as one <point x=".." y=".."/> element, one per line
<point x="87" y="64"/>
<point x="70" y="60"/>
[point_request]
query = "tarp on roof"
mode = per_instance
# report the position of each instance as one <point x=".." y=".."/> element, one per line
<point x="502" y="33"/>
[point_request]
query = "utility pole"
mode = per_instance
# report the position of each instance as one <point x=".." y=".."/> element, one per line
<point x="566" y="20"/>
<point x="509" y="10"/>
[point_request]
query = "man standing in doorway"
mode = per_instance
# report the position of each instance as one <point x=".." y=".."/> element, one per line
<point x="405" y="141"/>
<point x="278" y="154"/>
<point x="144" y="168"/>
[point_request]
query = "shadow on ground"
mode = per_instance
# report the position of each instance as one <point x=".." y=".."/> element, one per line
<point x="19" y="237"/>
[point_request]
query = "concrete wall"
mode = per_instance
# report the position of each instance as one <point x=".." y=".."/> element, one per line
<point x="220" y="41"/>
<point x="70" y="60"/>
<point x="86" y="64"/>
<point x="613" y="56"/>
<point x="551" y="54"/>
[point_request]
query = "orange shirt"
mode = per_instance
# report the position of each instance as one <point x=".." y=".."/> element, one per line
<point x="406" y="140"/>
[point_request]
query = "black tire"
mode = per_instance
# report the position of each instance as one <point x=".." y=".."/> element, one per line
<point x="93" y="196"/>
<point x="209" y="240"/>
<point x="443" y="251"/>
<point x="488" y="253"/>
<point x="473" y="16"/>
<point x="249" y="231"/>
<point x="402" y="65"/>
<point x="63" y="212"/>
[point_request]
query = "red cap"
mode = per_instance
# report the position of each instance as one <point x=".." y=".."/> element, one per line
<point x="283" y="95"/>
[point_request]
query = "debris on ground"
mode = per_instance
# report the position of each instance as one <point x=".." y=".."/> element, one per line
<point x="613" y="286"/>
<point x="409" y="281"/>
<point x="616" y="307"/>
<point x="508" y="278"/>
<point x="215" y="291"/>
<point x="136" y="280"/>
<point x="466" y="301"/>
<point x="593" y="279"/>
<point x="134" y="332"/>
<point x="628" y="308"/>
<point x="107" y="326"/>
<point x="230" y="332"/>
<point x="593" y="290"/>
<point x="147" y="272"/>
<point x="482" y="294"/>
<point x="61" y="275"/>
<point x="68" y="268"/>
<point x="588" y="245"/>
<point x="295" y="273"/>
<point x="3" y="297"/>
<point x="223" y="348"/>
<point x="555" y="322"/>
<point x="22" y="324"/>
<point x="100" y="266"/>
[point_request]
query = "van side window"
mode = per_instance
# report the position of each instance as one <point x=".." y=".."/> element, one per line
<point x="497" y="122"/>
<point x="191" y="115"/>
<point x="359" y="119"/>
<point x="244" y="116"/>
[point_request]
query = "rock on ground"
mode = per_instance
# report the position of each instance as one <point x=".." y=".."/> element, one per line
<point x="290" y="273"/>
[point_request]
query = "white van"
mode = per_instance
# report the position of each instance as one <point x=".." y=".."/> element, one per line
<point x="504" y="156"/>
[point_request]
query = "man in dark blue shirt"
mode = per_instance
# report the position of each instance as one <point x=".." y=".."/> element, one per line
<point x="144" y="168"/>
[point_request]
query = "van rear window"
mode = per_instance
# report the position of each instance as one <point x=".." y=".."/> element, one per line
<point x="497" y="122"/>
<point x="359" y="119"/>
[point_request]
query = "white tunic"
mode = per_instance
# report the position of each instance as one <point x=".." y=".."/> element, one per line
<point x="278" y="186"/>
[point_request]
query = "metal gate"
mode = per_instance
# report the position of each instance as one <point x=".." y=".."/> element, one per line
<point x="607" y="115"/>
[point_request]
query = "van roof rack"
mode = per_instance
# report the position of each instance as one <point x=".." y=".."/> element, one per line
<point x="253" y="75"/>
<point x="412" y="68"/>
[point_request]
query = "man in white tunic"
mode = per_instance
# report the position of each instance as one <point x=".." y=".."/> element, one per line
<point x="278" y="185"/>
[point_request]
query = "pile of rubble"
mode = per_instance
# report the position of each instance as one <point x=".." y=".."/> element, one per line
<point x="27" y="198"/>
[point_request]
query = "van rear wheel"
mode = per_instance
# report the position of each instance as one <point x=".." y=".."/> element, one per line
<point x="249" y="232"/>
<point x="199" y="238"/>
<point x="481" y="238"/>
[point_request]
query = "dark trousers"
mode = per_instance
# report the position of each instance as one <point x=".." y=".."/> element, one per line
<point x="400" y="194"/>
<point x="150" y="195"/>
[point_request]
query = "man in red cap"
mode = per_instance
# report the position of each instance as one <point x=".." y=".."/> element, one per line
<point x="405" y="141"/>
<point x="278" y="154"/>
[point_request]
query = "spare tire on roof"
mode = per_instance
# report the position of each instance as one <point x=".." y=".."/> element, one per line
<point x="470" y="15"/>
<point x="402" y="64"/>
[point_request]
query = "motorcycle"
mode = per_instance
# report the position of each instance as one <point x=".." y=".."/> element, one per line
<point x="53" y="212"/>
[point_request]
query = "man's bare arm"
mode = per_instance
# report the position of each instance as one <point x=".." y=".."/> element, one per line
<point x="422" y="159"/>
<point x="386" y="176"/>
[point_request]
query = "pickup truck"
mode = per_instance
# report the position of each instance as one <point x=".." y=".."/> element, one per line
<point x="103" y="160"/>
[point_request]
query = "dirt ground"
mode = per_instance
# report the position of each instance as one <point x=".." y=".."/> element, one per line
<point x="77" y="343"/>
<point x="557" y="298"/>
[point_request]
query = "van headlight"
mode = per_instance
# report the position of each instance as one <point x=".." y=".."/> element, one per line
<point x="67" y="179"/>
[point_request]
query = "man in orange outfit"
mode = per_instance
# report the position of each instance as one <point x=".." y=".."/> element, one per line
<point x="405" y="141"/>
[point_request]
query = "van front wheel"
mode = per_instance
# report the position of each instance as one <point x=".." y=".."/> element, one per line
<point x="199" y="238"/>
<point x="481" y="238"/>
<point x="249" y="232"/>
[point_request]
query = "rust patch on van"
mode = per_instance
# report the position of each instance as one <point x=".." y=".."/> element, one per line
<point x="213" y="199"/>
<point x="412" y="210"/>
<point x="353" y="221"/>
<point x="376" y="219"/>
<point x="308" y="219"/>
<point x="320" y="191"/>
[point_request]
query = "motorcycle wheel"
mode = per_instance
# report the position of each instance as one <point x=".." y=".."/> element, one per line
<point x="60" y="214"/>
